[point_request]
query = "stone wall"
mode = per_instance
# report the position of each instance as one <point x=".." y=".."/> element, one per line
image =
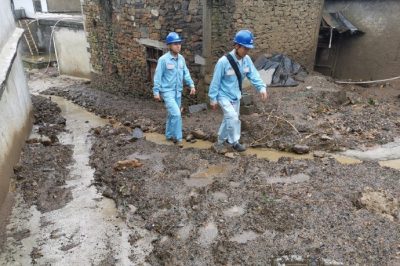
<point x="119" y="31"/>
<point x="285" y="26"/>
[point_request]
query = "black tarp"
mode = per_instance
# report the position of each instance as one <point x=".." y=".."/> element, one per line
<point x="286" y="72"/>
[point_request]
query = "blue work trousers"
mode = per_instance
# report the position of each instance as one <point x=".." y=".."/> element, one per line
<point x="230" y="127"/>
<point x="172" y="101"/>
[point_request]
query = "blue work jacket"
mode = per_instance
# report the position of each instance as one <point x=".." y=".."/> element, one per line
<point x="224" y="82"/>
<point x="170" y="73"/>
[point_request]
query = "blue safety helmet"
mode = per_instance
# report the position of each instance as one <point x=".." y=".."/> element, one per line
<point x="173" y="37"/>
<point x="244" y="38"/>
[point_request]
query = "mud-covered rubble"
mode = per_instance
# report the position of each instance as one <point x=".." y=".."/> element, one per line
<point x="47" y="118"/>
<point x="209" y="209"/>
<point x="42" y="170"/>
<point x="318" y="114"/>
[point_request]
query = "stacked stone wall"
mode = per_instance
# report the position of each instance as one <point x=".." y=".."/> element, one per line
<point x="285" y="26"/>
<point x="115" y="28"/>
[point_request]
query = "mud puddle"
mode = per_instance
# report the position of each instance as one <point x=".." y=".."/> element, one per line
<point x="88" y="225"/>
<point x="391" y="150"/>
<point x="205" y="177"/>
<point x="387" y="155"/>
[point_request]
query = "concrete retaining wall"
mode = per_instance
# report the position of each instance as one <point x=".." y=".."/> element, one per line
<point x="72" y="52"/>
<point x="15" y="104"/>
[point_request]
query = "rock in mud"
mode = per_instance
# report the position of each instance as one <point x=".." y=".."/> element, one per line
<point x="190" y="137"/>
<point x="197" y="108"/>
<point x="199" y="134"/>
<point x="319" y="154"/>
<point x="137" y="134"/>
<point x="301" y="149"/>
<point x="325" y="137"/>
<point x="122" y="165"/>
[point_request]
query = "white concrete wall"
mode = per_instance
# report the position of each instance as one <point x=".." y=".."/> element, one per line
<point x="15" y="104"/>
<point x="72" y="54"/>
<point x="44" y="6"/>
<point x="7" y="23"/>
<point x="25" y="4"/>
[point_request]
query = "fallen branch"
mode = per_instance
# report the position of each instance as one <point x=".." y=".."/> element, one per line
<point x="280" y="118"/>
<point x="309" y="136"/>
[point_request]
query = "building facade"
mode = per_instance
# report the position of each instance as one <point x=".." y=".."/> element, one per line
<point x="126" y="37"/>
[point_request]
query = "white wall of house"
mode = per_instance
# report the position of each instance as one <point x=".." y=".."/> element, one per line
<point x="72" y="52"/>
<point x="15" y="104"/>
<point x="44" y="6"/>
<point x="6" y="21"/>
<point x="27" y="5"/>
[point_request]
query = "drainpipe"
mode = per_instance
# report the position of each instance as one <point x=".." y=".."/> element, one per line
<point x="316" y="33"/>
<point x="207" y="5"/>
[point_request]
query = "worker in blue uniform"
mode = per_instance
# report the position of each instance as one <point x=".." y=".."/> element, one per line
<point x="226" y="88"/>
<point x="170" y="74"/>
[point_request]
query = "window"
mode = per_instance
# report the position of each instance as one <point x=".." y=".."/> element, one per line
<point x="152" y="55"/>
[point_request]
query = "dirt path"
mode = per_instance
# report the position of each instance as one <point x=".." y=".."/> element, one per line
<point x="194" y="207"/>
<point x="60" y="212"/>
<point x="317" y="114"/>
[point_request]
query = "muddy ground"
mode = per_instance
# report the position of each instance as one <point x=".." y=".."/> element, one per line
<point x="42" y="170"/>
<point x="201" y="208"/>
<point x="317" y="113"/>
<point x="208" y="209"/>
<point x="40" y="175"/>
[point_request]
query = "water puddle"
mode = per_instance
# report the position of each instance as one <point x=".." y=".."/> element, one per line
<point x="220" y="196"/>
<point x="160" y="139"/>
<point x="156" y="159"/>
<point x="235" y="211"/>
<point x="244" y="237"/>
<point x="346" y="160"/>
<point x="207" y="234"/>
<point x="269" y="154"/>
<point x="274" y="155"/>
<point x="395" y="164"/>
<point x="206" y="176"/>
<point x="387" y="155"/>
<point x="184" y="232"/>
<point x="383" y="154"/>
<point x="261" y="153"/>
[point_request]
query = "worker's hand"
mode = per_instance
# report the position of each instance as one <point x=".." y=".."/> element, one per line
<point x="264" y="95"/>
<point x="157" y="97"/>
<point x="214" y="106"/>
<point x="192" y="91"/>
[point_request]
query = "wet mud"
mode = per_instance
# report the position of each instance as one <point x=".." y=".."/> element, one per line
<point x="42" y="170"/>
<point x="326" y="117"/>
<point x="210" y="209"/>
<point x="192" y="206"/>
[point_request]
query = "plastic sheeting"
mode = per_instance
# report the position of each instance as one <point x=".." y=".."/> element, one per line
<point x="280" y="70"/>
